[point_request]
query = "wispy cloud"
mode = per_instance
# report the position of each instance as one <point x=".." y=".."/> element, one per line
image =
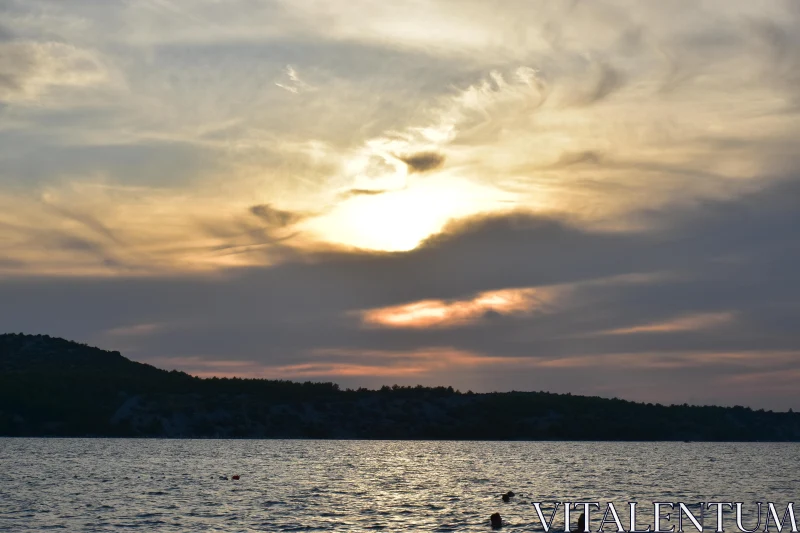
<point x="134" y="330"/>
<point x="294" y="84"/>
<point x="29" y="70"/>
<point x="685" y="323"/>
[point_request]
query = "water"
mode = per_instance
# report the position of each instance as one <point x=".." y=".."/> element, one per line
<point x="173" y="485"/>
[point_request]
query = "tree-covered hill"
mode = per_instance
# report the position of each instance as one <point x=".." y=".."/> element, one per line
<point x="54" y="387"/>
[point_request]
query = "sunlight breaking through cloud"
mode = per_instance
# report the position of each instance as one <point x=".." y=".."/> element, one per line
<point x="561" y="188"/>
<point x="444" y="314"/>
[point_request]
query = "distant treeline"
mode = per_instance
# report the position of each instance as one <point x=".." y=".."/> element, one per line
<point x="55" y="387"/>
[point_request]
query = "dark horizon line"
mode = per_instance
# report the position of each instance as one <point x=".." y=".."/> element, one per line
<point x="393" y="387"/>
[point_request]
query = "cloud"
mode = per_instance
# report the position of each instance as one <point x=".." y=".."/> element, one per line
<point x="134" y="330"/>
<point x="670" y="289"/>
<point x="607" y="80"/>
<point x="294" y="84"/>
<point x="588" y="157"/>
<point x="28" y="69"/>
<point x="687" y="323"/>
<point x="277" y="218"/>
<point x="422" y="161"/>
<point x="87" y="220"/>
<point x="267" y="241"/>
<point x="438" y="313"/>
<point x="363" y="192"/>
<point x="101" y="229"/>
<point x="651" y="160"/>
<point x="339" y="364"/>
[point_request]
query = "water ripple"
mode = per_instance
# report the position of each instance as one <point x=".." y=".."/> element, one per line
<point x="99" y="485"/>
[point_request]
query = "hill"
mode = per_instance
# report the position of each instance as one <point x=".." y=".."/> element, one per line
<point x="54" y="387"/>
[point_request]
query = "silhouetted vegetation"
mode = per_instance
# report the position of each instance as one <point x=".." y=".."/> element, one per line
<point x="54" y="387"/>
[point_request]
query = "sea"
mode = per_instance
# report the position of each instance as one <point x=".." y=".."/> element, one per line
<point x="159" y="485"/>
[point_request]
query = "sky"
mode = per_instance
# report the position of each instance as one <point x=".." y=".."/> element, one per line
<point x="594" y="197"/>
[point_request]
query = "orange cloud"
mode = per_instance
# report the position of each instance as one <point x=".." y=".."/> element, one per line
<point x="434" y="363"/>
<point x="338" y="362"/>
<point x="441" y="313"/>
<point x="205" y="368"/>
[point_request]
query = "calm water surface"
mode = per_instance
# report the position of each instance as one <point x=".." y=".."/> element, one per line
<point x="174" y="485"/>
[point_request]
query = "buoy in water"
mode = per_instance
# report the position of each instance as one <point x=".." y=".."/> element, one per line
<point x="497" y="521"/>
<point x="236" y="477"/>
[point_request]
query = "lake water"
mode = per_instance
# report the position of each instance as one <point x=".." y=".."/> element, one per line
<point x="290" y="485"/>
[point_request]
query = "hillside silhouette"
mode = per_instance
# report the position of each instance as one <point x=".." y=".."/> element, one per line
<point x="54" y="387"/>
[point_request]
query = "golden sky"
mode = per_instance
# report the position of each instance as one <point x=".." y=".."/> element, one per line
<point x="159" y="141"/>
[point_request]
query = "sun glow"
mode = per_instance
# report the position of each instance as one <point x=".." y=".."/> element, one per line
<point x="398" y="221"/>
